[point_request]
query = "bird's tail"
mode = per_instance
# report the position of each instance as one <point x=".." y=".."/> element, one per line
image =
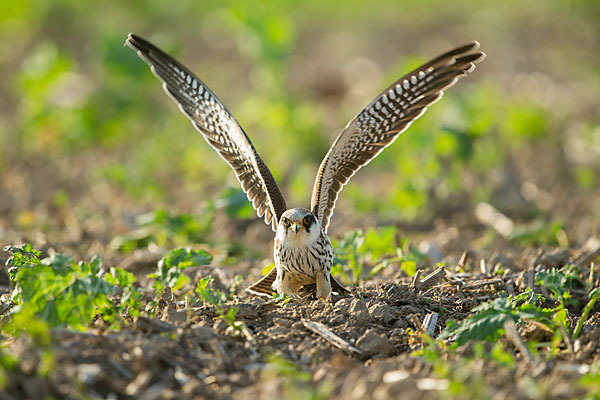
<point x="264" y="287"/>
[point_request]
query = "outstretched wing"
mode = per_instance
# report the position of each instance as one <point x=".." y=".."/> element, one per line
<point x="218" y="127"/>
<point x="380" y="123"/>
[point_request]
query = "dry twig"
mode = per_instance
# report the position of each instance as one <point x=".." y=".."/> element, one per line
<point x="511" y="332"/>
<point x="430" y="280"/>
<point x="331" y="337"/>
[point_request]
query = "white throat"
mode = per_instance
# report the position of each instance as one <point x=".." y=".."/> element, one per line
<point x="292" y="231"/>
<point x="302" y="238"/>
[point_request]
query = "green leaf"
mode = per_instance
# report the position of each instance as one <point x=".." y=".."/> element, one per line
<point x="236" y="203"/>
<point x="379" y="242"/>
<point x="347" y="256"/>
<point x="65" y="293"/>
<point x="538" y="233"/>
<point x="137" y="239"/>
<point x="207" y="294"/>
<point x="487" y="321"/>
<point x="531" y="311"/>
<point x="60" y="263"/>
<point x="486" y="324"/>
<point x="169" y="272"/>
<point x="24" y="255"/>
<point x="527" y="297"/>
<point x="229" y="316"/>
<point x="26" y="321"/>
<point x="560" y="317"/>
<point x="185" y="258"/>
<point x="179" y="282"/>
<point x="409" y="267"/>
<point x="560" y="282"/>
<point x="120" y="277"/>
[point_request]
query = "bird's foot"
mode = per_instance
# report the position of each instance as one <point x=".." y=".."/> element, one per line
<point x="298" y="300"/>
<point x="304" y="308"/>
<point x="286" y="300"/>
<point x="327" y="302"/>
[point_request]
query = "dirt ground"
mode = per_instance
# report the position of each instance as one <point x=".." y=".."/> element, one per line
<point x="358" y="346"/>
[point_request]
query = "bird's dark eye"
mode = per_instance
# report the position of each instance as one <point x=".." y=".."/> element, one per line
<point x="286" y="222"/>
<point x="306" y="221"/>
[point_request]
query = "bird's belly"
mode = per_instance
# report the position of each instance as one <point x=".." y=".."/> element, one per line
<point x="301" y="264"/>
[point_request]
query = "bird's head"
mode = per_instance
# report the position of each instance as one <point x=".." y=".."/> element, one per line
<point x="299" y="226"/>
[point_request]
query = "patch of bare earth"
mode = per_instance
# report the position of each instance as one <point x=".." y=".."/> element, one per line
<point x="355" y="347"/>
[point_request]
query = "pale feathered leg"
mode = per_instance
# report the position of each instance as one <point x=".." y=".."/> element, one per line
<point x="323" y="286"/>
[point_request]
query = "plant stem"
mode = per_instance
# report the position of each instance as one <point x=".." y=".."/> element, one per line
<point x="594" y="294"/>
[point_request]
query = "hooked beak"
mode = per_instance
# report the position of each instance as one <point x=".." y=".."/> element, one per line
<point x="296" y="227"/>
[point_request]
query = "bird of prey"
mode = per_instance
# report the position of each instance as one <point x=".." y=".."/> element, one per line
<point x="302" y="252"/>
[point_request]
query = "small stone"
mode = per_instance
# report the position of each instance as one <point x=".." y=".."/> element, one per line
<point x="337" y="319"/>
<point x="298" y="327"/>
<point x="372" y="343"/>
<point x="202" y="332"/>
<point x="400" y="324"/>
<point x="221" y="325"/>
<point x="175" y="316"/>
<point x="135" y="387"/>
<point x="284" y="322"/>
<point x="381" y="312"/>
<point x="277" y="331"/>
<point x="408" y="310"/>
<point x="392" y="291"/>
<point x="395" y="376"/>
<point x="248" y="311"/>
<point x="89" y="373"/>
<point x="193" y="386"/>
<point x="358" y="310"/>
<point x="343" y="304"/>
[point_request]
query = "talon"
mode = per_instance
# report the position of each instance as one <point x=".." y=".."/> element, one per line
<point x="327" y="303"/>
<point x="297" y="299"/>
<point x="304" y="309"/>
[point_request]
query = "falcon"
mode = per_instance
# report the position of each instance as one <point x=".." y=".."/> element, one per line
<point x="302" y="251"/>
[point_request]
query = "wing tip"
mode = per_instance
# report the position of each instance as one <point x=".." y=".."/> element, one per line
<point x="482" y="56"/>
<point x="130" y="38"/>
<point x="136" y="42"/>
<point x="471" y="50"/>
<point x="467" y="47"/>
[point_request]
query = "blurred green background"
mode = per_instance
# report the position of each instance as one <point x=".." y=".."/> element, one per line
<point x="89" y="141"/>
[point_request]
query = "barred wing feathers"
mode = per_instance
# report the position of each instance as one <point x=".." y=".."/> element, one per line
<point x="381" y="122"/>
<point x="218" y="127"/>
